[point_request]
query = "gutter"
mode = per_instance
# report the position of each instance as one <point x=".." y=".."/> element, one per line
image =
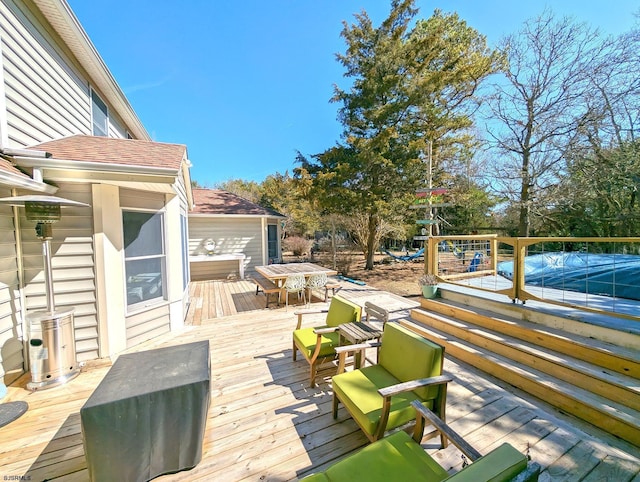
<point x="50" y="163"/>
<point x="26" y="183"/>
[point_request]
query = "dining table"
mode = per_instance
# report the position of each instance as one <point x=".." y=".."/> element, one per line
<point x="279" y="272"/>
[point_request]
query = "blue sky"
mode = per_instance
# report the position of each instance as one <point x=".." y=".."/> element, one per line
<point x="246" y="84"/>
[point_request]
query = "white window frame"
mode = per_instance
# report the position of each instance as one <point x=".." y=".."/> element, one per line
<point x="162" y="294"/>
<point x="94" y="96"/>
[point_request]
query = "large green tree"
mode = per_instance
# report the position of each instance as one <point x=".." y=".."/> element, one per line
<point x="410" y="86"/>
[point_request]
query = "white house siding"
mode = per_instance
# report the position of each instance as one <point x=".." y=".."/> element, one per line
<point x="47" y="97"/>
<point x="153" y="321"/>
<point x="73" y="267"/>
<point x="11" y="333"/>
<point x="181" y="188"/>
<point x="231" y="235"/>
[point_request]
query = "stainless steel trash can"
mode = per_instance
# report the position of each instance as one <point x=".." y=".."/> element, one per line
<point x="52" y="348"/>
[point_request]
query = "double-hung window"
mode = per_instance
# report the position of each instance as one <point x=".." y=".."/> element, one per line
<point x="144" y="257"/>
<point x="99" y="116"/>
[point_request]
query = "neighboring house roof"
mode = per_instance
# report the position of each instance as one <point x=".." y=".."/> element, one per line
<point x="111" y="150"/>
<point x="65" y="23"/>
<point x="218" y="202"/>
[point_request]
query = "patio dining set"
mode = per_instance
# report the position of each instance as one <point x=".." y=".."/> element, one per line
<point x="293" y="278"/>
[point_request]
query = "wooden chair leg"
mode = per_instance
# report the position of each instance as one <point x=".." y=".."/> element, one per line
<point x="335" y="406"/>
<point x="313" y="375"/>
<point x="295" y="351"/>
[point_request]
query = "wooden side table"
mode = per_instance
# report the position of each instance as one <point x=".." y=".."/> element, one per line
<point x="356" y="333"/>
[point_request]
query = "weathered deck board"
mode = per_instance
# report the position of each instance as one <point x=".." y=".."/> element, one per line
<point x="266" y="424"/>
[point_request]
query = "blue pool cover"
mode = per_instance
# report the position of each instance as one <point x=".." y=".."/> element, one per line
<point x="599" y="274"/>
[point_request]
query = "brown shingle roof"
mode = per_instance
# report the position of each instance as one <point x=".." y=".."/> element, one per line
<point x="8" y="167"/>
<point x="128" y="152"/>
<point x="217" y="201"/>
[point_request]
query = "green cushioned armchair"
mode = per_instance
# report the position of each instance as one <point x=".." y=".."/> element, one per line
<point x="379" y="397"/>
<point x="400" y="457"/>
<point x="318" y="344"/>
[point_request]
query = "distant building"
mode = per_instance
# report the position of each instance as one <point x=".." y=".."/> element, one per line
<point x="236" y="226"/>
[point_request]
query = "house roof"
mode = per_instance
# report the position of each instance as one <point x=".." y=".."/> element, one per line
<point x="219" y="202"/>
<point x="109" y="150"/>
<point x="6" y="166"/>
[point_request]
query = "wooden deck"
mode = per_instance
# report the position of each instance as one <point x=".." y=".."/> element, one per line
<point x="266" y="424"/>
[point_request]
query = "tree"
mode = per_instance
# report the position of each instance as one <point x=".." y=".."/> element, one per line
<point x="250" y="190"/>
<point x="598" y="193"/>
<point x="289" y="197"/>
<point x="410" y="86"/>
<point x="538" y="108"/>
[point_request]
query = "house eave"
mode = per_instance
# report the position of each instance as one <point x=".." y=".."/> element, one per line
<point x="61" y="18"/>
<point x="11" y="180"/>
<point x="88" y="166"/>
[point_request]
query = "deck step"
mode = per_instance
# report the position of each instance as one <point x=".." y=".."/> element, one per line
<point x="608" y="415"/>
<point x="601" y="381"/>
<point x="600" y="353"/>
<point x="594" y="380"/>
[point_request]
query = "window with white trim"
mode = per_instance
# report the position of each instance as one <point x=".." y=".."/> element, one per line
<point x="99" y="116"/>
<point x="144" y="257"/>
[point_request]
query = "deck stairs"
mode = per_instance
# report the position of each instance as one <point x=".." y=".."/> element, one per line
<point x="595" y="380"/>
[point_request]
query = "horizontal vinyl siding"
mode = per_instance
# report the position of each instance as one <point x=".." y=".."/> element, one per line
<point x="147" y="324"/>
<point x="231" y="235"/>
<point x="206" y="270"/>
<point x="45" y="98"/>
<point x="73" y="271"/>
<point x="181" y="188"/>
<point x="154" y="320"/>
<point x="130" y="198"/>
<point x="11" y="336"/>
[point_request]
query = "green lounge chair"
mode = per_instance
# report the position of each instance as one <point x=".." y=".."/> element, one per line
<point x="379" y="397"/>
<point x="318" y="344"/>
<point x="400" y="457"/>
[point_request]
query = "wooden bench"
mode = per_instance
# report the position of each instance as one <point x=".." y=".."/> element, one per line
<point x="333" y="286"/>
<point x="265" y="285"/>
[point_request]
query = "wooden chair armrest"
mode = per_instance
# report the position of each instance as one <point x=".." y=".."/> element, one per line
<point x="412" y="385"/>
<point x="301" y="313"/>
<point x="423" y="414"/>
<point x="344" y="351"/>
<point x="322" y="331"/>
<point x="358" y="347"/>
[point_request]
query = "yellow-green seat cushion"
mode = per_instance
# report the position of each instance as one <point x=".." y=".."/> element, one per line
<point x="305" y="339"/>
<point x="396" y="457"/>
<point x="358" y="391"/>
<point x="501" y="464"/>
